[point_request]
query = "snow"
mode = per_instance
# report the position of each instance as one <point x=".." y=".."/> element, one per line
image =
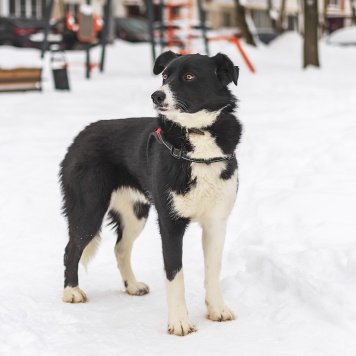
<point x="289" y="267"/>
<point x="343" y="36"/>
<point x="11" y="57"/>
<point x="86" y="9"/>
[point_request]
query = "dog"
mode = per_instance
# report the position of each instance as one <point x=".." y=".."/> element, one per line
<point x="182" y="161"/>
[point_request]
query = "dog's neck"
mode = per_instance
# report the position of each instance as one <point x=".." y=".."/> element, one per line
<point x="173" y="128"/>
<point x="226" y="125"/>
<point x="177" y="135"/>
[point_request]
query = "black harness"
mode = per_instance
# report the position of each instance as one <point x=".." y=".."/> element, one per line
<point x="179" y="153"/>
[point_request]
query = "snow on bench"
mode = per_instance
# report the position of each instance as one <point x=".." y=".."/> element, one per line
<point x="20" y="69"/>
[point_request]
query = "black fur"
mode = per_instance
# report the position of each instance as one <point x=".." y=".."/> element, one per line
<point x="116" y="223"/>
<point x="141" y="210"/>
<point x="109" y="155"/>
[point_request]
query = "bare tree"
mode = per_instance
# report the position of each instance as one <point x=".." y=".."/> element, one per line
<point x="325" y="18"/>
<point x="353" y="9"/>
<point x="242" y="23"/>
<point x="311" y="55"/>
<point x="281" y="16"/>
<point x="271" y="14"/>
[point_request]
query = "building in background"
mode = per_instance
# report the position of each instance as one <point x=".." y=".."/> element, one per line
<point x="37" y="8"/>
<point x="219" y="13"/>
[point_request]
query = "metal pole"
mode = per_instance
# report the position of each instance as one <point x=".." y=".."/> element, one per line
<point x="104" y="37"/>
<point x="87" y="64"/>
<point x="161" y="25"/>
<point x="149" y="7"/>
<point x="49" y="8"/>
<point x="87" y="49"/>
<point x="202" y="24"/>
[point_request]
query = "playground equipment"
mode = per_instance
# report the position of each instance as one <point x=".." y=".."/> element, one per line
<point x="59" y="69"/>
<point x="87" y="27"/>
<point x="173" y="12"/>
<point x="169" y="12"/>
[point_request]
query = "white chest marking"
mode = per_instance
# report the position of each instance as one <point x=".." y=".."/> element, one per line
<point x="211" y="195"/>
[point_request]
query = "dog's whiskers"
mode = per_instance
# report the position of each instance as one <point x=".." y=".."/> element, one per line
<point x="180" y="104"/>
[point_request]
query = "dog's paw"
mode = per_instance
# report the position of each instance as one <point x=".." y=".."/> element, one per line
<point x="74" y="295"/>
<point x="220" y="313"/>
<point x="181" y="327"/>
<point x="137" y="288"/>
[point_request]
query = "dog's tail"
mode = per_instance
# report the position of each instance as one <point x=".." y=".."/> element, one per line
<point x="90" y="251"/>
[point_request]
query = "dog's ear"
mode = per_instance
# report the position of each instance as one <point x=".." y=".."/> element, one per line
<point x="225" y="69"/>
<point x="163" y="60"/>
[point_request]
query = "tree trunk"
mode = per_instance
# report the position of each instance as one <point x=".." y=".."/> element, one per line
<point x="353" y="9"/>
<point x="281" y="16"/>
<point x="325" y="18"/>
<point x="242" y="23"/>
<point x="311" y="56"/>
<point x="270" y="14"/>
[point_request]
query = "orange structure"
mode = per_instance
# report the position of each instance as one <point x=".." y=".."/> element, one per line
<point x="179" y="32"/>
<point x="235" y="40"/>
<point x="179" y="29"/>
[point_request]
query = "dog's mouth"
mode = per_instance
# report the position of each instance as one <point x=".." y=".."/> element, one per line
<point x="167" y="108"/>
<point x="162" y="108"/>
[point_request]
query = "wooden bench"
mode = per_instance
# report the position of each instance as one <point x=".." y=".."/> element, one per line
<point x="20" y="79"/>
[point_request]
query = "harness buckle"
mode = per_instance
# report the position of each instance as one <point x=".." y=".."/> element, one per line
<point x="176" y="153"/>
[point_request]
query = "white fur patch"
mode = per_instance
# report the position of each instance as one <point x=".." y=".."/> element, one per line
<point x="123" y="201"/>
<point x="74" y="295"/>
<point x="211" y="196"/>
<point x="90" y="251"/>
<point x="213" y="244"/>
<point x="204" y="146"/>
<point x="178" y="320"/>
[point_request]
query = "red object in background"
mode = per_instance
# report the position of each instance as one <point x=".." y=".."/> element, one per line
<point x="87" y="27"/>
<point x="70" y="22"/>
<point x="24" y="31"/>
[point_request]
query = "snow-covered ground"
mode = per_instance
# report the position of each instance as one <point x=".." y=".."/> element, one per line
<point x="289" y="267"/>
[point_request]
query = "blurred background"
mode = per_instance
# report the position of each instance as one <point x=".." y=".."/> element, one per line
<point x="289" y="266"/>
<point x="23" y="21"/>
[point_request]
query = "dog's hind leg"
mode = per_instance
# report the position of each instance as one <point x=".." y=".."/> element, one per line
<point x="129" y="212"/>
<point x="85" y="203"/>
<point x="83" y="238"/>
<point x="72" y="293"/>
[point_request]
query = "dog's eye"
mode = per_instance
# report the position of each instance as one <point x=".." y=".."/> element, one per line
<point x="189" y="76"/>
<point x="164" y="76"/>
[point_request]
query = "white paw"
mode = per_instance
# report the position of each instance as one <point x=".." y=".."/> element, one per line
<point x="74" y="295"/>
<point x="137" y="288"/>
<point x="181" y="327"/>
<point x="220" y="313"/>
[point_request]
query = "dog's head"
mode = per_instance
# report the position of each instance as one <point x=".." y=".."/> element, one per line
<point x="194" y="89"/>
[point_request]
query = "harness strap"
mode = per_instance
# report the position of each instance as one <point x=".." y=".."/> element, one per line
<point x="179" y="153"/>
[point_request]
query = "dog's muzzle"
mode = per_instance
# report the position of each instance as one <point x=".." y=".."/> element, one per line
<point x="158" y="97"/>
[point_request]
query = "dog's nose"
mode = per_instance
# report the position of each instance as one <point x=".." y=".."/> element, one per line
<point x="158" y="97"/>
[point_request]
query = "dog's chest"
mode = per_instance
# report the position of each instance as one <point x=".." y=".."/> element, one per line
<point x="210" y="195"/>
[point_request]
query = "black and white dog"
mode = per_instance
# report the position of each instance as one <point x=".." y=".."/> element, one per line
<point x="182" y="161"/>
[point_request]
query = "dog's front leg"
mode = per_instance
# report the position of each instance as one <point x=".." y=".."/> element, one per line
<point x="172" y="232"/>
<point x="213" y="245"/>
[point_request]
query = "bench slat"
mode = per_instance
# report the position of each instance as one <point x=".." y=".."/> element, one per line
<point x="20" y="79"/>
